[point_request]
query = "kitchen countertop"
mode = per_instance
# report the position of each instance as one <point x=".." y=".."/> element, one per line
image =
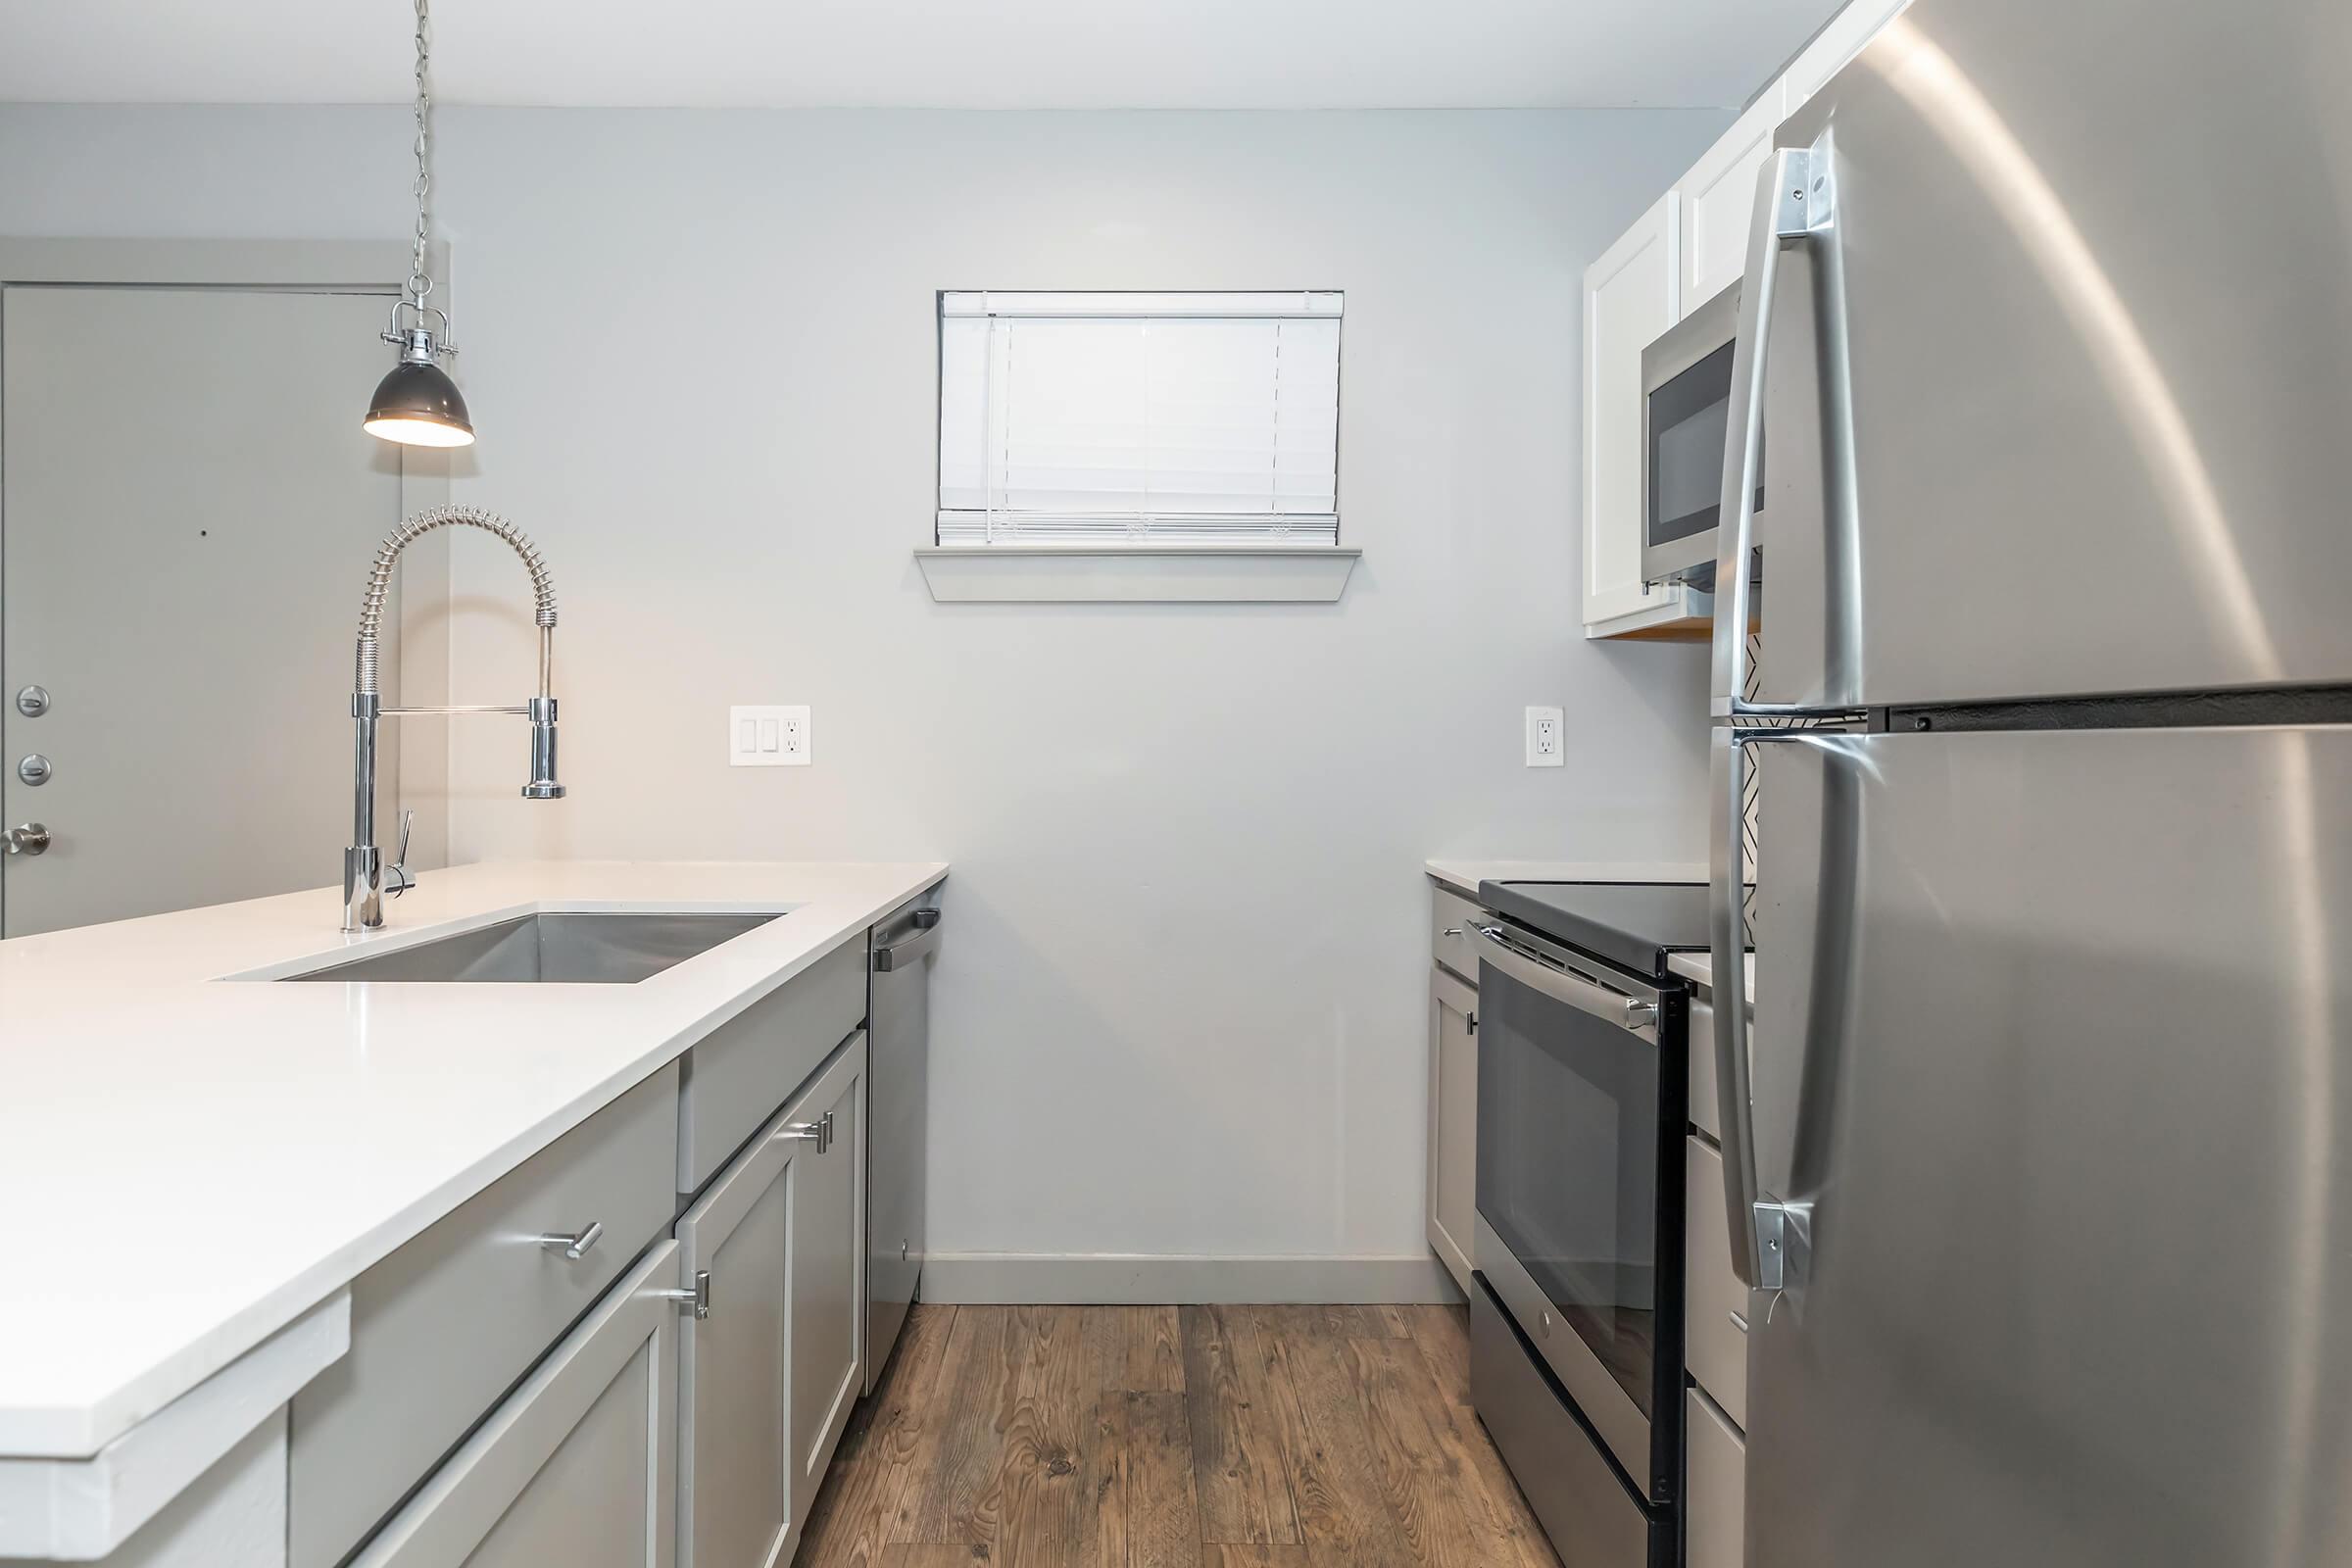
<point x="1699" y="968"/>
<point x="188" y="1164"/>
<point x="1464" y="877"/>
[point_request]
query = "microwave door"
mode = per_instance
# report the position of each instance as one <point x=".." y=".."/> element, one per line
<point x="1686" y="388"/>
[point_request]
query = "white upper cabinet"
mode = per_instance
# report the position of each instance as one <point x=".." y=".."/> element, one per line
<point x="1632" y="294"/>
<point x="1719" y="199"/>
<point x="1836" y="44"/>
<point x="1682" y="253"/>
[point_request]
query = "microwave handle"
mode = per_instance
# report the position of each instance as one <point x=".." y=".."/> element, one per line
<point x="1795" y="202"/>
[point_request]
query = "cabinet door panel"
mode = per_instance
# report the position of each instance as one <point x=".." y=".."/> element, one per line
<point x="1631" y="296"/>
<point x="738" y="1506"/>
<point x="577" y="1467"/>
<point x="736" y="1501"/>
<point x="1716" y="1487"/>
<point x="1719" y="199"/>
<point x="1452" y="1122"/>
<point x="1715" y="1344"/>
<point x="827" y="1282"/>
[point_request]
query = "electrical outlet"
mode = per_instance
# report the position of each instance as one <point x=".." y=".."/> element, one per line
<point x="767" y="737"/>
<point x="1544" y="748"/>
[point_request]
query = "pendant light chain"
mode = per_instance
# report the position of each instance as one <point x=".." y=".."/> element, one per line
<point x="421" y="284"/>
<point x="416" y="404"/>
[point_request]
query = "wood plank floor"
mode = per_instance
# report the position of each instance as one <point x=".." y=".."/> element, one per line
<point x="1164" y="1437"/>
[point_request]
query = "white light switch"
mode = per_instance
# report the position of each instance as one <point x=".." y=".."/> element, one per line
<point x="767" y="737"/>
<point x="1544" y="748"/>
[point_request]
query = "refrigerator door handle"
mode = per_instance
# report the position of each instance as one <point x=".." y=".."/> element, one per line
<point x="1726" y="777"/>
<point x="1795" y="201"/>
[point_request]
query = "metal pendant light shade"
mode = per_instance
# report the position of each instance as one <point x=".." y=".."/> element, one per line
<point x="418" y="405"/>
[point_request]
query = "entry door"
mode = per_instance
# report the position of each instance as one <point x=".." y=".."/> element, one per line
<point x="187" y="511"/>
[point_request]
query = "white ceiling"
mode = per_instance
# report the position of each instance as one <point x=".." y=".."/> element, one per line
<point x="1061" y="54"/>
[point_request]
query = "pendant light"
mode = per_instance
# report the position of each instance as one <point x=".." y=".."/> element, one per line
<point x="416" y="404"/>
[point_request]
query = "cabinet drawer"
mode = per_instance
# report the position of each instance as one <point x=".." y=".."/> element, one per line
<point x="1707" y="1110"/>
<point x="445" y="1325"/>
<point x="1715" y="1302"/>
<point x="1715" y="1491"/>
<point x="738" y="1075"/>
<point x="1448" y="910"/>
<point x="579" y="1467"/>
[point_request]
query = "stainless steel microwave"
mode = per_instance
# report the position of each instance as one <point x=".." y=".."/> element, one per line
<point x="1685" y="408"/>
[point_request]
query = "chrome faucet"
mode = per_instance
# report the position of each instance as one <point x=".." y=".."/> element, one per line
<point x="364" y="868"/>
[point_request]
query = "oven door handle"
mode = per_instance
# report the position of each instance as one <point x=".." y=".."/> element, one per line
<point x="1637" y="1015"/>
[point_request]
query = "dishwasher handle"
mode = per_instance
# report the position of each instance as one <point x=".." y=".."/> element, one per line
<point x="907" y="953"/>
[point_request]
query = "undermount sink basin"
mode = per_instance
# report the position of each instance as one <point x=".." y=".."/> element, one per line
<point x="617" y="949"/>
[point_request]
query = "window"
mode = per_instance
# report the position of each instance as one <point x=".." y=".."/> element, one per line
<point x="1110" y="419"/>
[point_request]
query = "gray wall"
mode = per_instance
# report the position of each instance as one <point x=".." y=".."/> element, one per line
<point x="1182" y="1006"/>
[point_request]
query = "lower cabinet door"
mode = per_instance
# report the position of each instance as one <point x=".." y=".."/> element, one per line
<point x="1452" y="1122"/>
<point x="828" y="1274"/>
<point x="1715" y="1499"/>
<point x="577" y="1467"/>
<point x="751" y="1418"/>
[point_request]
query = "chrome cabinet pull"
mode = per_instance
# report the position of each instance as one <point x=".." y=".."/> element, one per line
<point x="803" y="1132"/>
<point x="826" y="1148"/>
<point x="699" y="1297"/>
<point x="574" y="1247"/>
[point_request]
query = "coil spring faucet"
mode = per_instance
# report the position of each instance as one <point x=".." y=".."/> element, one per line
<point x="364" y="862"/>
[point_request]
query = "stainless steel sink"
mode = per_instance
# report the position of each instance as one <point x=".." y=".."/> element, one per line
<point x="617" y="949"/>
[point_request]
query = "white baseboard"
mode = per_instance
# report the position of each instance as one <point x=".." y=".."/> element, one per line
<point x="1124" y="1278"/>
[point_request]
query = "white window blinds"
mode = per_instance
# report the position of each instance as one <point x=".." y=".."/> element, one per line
<point x="1100" y="419"/>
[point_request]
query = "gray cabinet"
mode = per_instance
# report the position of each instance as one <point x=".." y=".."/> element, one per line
<point x="739" y="1073"/>
<point x="1452" y="1122"/>
<point x="577" y="1467"/>
<point x="768" y="1377"/>
<point x="445" y="1325"/>
<point x="828" y="1274"/>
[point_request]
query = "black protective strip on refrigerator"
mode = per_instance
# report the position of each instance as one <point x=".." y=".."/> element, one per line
<point x="2288" y="706"/>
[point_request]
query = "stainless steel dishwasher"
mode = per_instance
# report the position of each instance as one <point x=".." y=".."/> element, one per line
<point x="897" y="1067"/>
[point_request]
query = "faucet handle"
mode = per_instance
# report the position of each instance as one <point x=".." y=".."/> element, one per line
<point x="396" y="875"/>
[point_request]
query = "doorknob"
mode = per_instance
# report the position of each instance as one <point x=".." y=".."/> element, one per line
<point x="29" y="838"/>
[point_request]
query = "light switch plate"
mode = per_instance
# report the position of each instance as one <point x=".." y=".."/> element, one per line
<point x="1546" y="747"/>
<point x="768" y="736"/>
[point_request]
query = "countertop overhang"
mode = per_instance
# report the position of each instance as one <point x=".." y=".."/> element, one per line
<point x="190" y="1163"/>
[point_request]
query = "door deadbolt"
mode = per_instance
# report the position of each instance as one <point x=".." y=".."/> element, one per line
<point x="33" y="701"/>
<point x="35" y="770"/>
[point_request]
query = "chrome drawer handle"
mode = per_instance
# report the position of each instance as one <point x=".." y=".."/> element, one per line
<point x="577" y="1247"/>
<point x="803" y="1132"/>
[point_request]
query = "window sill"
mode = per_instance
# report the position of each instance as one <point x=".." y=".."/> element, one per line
<point x="1287" y="575"/>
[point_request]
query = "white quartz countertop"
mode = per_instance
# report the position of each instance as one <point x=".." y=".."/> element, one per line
<point x="1465" y="875"/>
<point x="188" y="1164"/>
<point x="1701" y="968"/>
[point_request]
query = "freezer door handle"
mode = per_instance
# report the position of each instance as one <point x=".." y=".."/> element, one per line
<point x="1796" y="202"/>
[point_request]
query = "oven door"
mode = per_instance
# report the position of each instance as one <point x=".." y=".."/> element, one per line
<point x="1573" y="1229"/>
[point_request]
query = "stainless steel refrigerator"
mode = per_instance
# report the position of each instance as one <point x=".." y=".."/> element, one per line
<point x="2039" y="1146"/>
